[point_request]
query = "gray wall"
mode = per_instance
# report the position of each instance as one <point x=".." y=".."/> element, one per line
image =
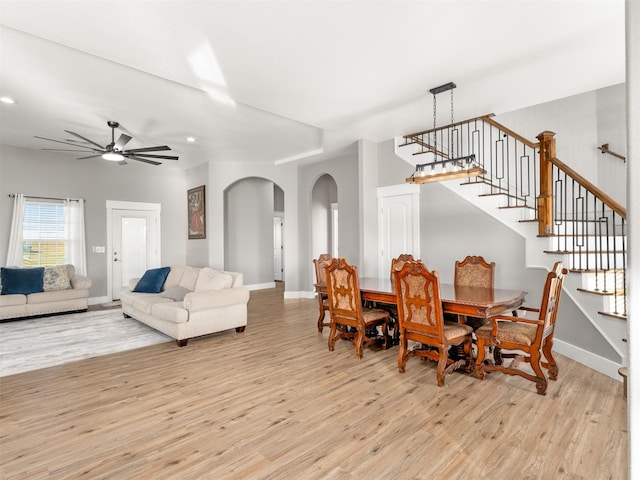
<point x="344" y="171"/>
<point x="582" y="123"/>
<point x="38" y="173"/>
<point x="249" y="230"/>
<point x="324" y="193"/>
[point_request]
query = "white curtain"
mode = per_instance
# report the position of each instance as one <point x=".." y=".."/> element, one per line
<point x="14" y="252"/>
<point x="75" y="246"/>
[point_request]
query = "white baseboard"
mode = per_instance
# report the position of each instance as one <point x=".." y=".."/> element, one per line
<point x="291" y="295"/>
<point x="98" y="300"/>
<point x="261" y="286"/>
<point x="591" y="360"/>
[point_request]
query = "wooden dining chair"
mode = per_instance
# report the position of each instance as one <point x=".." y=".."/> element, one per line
<point x="473" y="271"/>
<point x="398" y="263"/>
<point x="421" y="320"/>
<point x="349" y="319"/>
<point x="396" y="266"/>
<point x="321" y="280"/>
<point x="528" y="339"/>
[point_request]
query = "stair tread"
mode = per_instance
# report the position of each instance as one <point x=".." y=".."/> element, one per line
<point x="570" y="235"/>
<point x="614" y="315"/>
<point x="600" y="292"/>
<point x="586" y="251"/>
<point x="617" y="271"/>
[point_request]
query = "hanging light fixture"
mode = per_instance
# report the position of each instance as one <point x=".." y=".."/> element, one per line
<point x="449" y="167"/>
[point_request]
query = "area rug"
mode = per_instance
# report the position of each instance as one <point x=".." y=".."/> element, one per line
<point x="43" y="342"/>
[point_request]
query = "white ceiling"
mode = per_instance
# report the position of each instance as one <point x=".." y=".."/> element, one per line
<point x="274" y="81"/>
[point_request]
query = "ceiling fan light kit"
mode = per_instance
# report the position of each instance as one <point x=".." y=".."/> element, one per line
<point x="114" y="151"/>
<point x="112" y="157"/>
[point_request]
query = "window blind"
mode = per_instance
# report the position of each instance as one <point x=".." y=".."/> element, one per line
<point x="44" y="233"/>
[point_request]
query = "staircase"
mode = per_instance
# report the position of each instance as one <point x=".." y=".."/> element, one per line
<point x="561" y="215"/>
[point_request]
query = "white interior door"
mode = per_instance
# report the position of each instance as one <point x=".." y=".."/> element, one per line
<point x="399" y="225"/>
<point x="134" y="246"/>
<point x="278" y="248"/>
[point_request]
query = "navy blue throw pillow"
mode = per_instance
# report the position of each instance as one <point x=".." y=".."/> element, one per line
<point x="152" y="280"/>
<point x="22" y="280"/>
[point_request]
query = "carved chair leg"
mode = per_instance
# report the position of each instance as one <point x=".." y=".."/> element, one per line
<point x="541" y="381"/>
<point x="402" y="354"/>
<point x="442" y="364"/>
<point x="497" y="355"/>
<point x="553" y="366"/>
<point x="359" y="342"/>
<point x="480" y="358"/>
<point x="332" y="337"/>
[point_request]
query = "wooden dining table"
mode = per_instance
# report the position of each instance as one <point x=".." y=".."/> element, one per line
<point x="463" y="301"/>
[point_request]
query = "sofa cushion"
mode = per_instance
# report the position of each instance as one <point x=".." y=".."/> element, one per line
<point x="189" y="278"/>
<point x="174" y="277"/>
<point x="21" y="280"/>
<point x="175" y="293"/>
<point x="170" y="312"/>
<point x="58" y="296"/>
<point x="56" y="278"/>
<point x="210" y="279"/>
<point x="12" y="300"/>
<point x="143" y="302"/>
<point x="152" y="280"/>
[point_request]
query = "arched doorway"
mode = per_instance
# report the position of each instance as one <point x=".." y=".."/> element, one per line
<point x="324" y="217"/>
<point x="250" y="207"/>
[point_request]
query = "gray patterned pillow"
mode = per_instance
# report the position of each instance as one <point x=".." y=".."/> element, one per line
<point x="55" y="278"/>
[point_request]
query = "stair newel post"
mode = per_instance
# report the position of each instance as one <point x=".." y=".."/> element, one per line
<point x="545" y="198"/>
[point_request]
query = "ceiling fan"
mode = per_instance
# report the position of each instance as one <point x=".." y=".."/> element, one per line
<point x="114" y="151"/>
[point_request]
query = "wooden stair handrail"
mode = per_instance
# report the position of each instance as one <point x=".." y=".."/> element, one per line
<point x="603" y="197"/>
<point x="469" y="120"/>
<point x="511" y="133"/>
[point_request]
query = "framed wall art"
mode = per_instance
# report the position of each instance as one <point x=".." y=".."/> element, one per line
<point x="196" y="213"/>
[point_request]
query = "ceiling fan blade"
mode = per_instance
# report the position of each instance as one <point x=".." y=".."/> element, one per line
<point x="148" y="149"/>
<point x="66" y="143"/>
<point x="91" y="156"/>
<point x="122" y="141"/>
<point x="62" y="150"/>
<point x="85" y="139"/>
<point x="140" y="159"/>
<point x="165" y="157"/>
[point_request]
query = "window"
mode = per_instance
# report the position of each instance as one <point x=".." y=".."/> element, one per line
<point x="47" y="231"/>
<point x="43" y="234"/>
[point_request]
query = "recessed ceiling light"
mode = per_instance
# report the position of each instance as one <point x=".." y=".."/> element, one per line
<point x="191" y="139"/>
<point x="7" y="100"/>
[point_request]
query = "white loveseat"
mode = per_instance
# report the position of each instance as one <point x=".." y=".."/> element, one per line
<point x="193" y="302"/>
<point x="62" y="291"/>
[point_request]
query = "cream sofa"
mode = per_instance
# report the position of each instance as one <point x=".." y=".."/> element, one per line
<point x="193" y="302"/>
<point x="64" y="291"/>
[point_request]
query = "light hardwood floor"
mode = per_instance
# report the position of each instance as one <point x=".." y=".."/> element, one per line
<point x="274" y="403"/>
